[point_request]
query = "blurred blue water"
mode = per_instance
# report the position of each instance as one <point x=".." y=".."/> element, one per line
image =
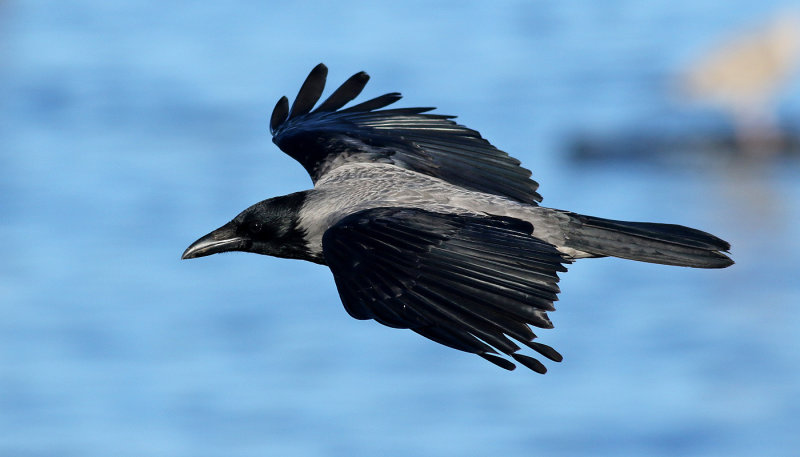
<point x="128" y="129"/>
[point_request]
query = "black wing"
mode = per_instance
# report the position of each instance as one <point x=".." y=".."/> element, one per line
<point x="463" y="281"/>
<point x="427" y="143"/>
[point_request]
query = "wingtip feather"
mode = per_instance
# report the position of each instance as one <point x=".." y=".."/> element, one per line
<point x="310" y="91"/>
<point x="345" y="93"/>
<point x="499" y="361"/>
<point x="530" y="362"/>
<point x="375" y="103"/>
<point x="545" y="350"/>
<point x="279" y="114"/>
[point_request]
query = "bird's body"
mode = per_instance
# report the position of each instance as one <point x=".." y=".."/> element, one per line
<point x="427" y="226"/>
<point x="357" y="187"/>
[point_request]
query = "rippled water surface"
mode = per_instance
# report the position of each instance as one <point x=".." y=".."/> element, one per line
<point x="128" y="129"/>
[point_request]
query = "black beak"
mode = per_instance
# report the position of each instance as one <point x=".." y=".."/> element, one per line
<point x="223" y="239"/>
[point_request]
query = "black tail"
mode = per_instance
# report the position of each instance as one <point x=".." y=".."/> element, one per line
<point x="667" y="244"/>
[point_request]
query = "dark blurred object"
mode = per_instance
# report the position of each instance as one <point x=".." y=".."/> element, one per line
<point x="681" y="143"/>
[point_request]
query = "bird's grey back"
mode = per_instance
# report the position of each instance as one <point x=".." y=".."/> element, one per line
<point x="359" y="186"/>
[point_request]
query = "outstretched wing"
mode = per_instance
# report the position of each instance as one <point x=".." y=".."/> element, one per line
<point x="432" y="144"/>
<point x="467" y="282"/>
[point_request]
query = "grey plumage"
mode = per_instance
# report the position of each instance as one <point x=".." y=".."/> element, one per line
<point x="427" y="226"/>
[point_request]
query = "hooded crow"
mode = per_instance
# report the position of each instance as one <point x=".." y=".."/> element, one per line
<point x="427" y="226"/>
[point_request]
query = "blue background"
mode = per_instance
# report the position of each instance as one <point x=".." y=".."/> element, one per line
<point x="129" y="129"/>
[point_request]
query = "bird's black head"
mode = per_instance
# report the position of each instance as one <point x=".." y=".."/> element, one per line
<point x="268" y="227"/>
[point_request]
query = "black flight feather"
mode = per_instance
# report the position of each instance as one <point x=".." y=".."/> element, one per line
<point x="309" y="92"/>
<point x="530" y="362"/>
<point x="374" y="103"/>
<point x="279" y="114"/>
<point x="346" y="92"/>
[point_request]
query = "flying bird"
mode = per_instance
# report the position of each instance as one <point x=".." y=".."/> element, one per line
<point x="426" y="226"/>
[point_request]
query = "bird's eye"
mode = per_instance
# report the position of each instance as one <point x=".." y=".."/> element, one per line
<point x="255" y="227"/>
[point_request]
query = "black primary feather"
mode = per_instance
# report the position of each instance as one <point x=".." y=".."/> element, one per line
<point x="375" y="103"/>
<point x="345" y="93"/>
<point x="309" y="92"/>
<point x="279" y="114"/>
